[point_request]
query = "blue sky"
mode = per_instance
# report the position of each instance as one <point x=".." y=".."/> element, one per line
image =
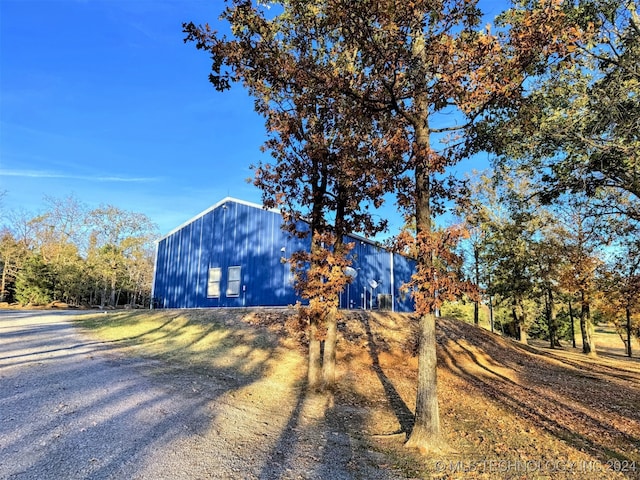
<point x="102" y="100"/>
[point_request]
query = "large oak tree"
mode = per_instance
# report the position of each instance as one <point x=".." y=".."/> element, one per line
<point x="432" y="72"/>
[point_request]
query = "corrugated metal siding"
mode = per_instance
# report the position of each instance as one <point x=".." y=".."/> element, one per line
<point x="403" y="269"/>
<point x="236" y="234"/>
<point x="375" y="264"/>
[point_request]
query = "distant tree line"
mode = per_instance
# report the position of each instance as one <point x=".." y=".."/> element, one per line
<point x="79" y="256"/>
<point x="543" y="268"/>
<point x="556" y="227"/>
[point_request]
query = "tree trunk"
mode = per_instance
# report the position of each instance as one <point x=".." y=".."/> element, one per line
<point x="551" y="320"/>
<point x="329" y="353"/>
<point x="319" y="189"/>
<point x="314" y="373"/>
<point x="547" y="316"/>
<point x="476" y="303"/>
<point x="586" y="329"/>
<point x="491" y="321"/>
<point x="425" y="434"/>
<point x="331" y="321"/>
<point x="112" y="296"/>
<point x="573" y="330"/>
<point x="516" y="321"/>
<point x="521" y="321"/>
<point x="476" y="312"/>
<point x="523" y="332"/>
<point x="3" y="285"/>
<point x="628" y="311"/>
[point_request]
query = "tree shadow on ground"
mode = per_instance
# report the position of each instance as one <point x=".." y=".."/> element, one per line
<point x="326" y="431"/>
<point x="325" y="439"/>
<point x="555" y="397"/>
<point x="74" y="409"/>
<point x="39" y="348"/>
<point x="403" y="414"/>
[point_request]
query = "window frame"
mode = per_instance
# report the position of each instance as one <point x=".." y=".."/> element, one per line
<point x="233" y="281"/>
<point x="213" y="285"/>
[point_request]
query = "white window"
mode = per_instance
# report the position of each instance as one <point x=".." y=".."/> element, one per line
<point x="213" y="285"/>
<point x="233" y="282"/>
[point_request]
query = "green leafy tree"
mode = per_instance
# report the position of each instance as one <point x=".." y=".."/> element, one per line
<point x="477" y="210"/>
<point x="509" y="244"/>
<point x="116" y="241"/>
<point x="547" y="255"/>
<point x="12" y="255"/>
<point x="139" y="255"/>
<point x="56" y="235"/>
<point x="522" y="251"/>
<point x="76" y="250"/>
<point x="34" y="282"/>
<point x="577" y="131"/>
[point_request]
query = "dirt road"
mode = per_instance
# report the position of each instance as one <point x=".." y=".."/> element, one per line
<point x="73" y="408"/>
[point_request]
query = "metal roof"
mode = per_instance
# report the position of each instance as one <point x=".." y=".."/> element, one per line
<point x="254" y="205"/>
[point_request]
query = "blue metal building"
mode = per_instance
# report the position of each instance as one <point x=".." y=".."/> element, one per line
<point x="233" y="255"/>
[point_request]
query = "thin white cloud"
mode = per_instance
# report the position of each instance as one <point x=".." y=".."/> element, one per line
<point x="90" y="178"/>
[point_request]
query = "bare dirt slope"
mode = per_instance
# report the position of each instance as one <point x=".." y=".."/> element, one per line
<point x="508" y="410"/>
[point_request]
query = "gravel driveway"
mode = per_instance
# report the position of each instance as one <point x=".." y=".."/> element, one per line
<point x="73" y="408"/>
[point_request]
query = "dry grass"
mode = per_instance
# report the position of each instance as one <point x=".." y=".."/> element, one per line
<point x="508" y="410"/>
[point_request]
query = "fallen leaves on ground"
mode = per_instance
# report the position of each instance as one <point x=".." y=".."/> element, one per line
<point x="508" y="410"/>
